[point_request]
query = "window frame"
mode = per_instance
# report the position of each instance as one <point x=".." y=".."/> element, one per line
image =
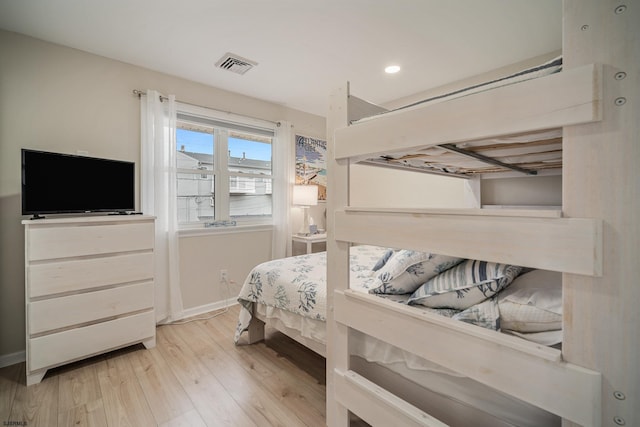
<point x="222" y="125"/>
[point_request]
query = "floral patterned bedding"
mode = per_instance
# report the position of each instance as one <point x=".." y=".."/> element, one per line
<point x="466" y="290"/>
<point x="299" y="284"/>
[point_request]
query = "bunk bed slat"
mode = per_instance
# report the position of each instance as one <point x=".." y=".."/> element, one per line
<point x="566" y="98"/>
<point x="570" y="245"/>
<point x="376" y="405"/>
<point x="486" y="159"/>
<point x="531" y="211"/>
<point x="530" y="372"/>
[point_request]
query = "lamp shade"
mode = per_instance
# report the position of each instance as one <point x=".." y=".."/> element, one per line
<point x="305" y="195"/>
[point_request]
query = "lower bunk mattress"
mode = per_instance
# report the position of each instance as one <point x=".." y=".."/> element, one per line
<point x="291" y="292"/>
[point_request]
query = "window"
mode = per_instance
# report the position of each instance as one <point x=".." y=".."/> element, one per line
<point x="224" y="167"/>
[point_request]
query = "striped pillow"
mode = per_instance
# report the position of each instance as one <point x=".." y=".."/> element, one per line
<point x="466" y="284"/>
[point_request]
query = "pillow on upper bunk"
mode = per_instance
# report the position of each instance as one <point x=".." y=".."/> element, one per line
<point x="464" y="285"/>
<point x="406" y="270"/>
<point x="533" y="303"/>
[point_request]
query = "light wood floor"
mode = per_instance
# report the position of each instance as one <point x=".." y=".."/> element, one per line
<point x="195" y="376"/>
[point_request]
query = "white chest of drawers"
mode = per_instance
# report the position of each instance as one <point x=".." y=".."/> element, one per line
<point x="89" y="288"/>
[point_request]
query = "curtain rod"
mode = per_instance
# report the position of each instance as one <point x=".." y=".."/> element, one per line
<point x="140" y="93"/>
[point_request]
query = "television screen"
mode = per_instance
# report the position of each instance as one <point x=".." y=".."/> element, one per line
<point x="63" y="183"/>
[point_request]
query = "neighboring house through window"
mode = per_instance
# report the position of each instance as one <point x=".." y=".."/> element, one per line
<point x="224" y="166"/>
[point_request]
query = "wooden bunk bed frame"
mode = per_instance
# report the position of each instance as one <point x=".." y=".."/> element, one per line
<point x="595" y="379"/>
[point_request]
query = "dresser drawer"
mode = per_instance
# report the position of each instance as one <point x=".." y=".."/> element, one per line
<point x="54" y="349"/>
<point x="76" y="240"/>
<point x="60" y="276"/>
<point x="63" y="312"/>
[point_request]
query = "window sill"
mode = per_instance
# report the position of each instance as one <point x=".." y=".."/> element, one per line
<point x="200" y="230"/>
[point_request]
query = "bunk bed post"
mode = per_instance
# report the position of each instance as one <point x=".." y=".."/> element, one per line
<point x="337" y="256"/>
<point x="600" y="180"/>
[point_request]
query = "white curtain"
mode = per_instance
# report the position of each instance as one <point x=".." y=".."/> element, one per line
<point x="283" y="180"/>
<point x="158" y="198"/>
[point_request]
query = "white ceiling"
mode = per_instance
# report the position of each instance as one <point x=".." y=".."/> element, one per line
<point x="304" y="49"/>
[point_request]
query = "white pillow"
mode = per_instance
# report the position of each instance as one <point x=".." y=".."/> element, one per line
<point x="406" y="270"/>
<point x="464" y="285"/>
<point x="533" y="303"/>
<point x="536" y="279"/>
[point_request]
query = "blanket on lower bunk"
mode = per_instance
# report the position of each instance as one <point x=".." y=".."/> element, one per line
<point x="490" y="295"/>
<point x="299" y="284"/>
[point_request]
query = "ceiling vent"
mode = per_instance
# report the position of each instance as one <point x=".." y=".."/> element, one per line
<point x="235" y="63"/>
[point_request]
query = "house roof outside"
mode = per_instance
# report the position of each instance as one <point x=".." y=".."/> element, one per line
<point x="239" y="163"/>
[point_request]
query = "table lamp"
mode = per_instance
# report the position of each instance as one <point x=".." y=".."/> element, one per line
<point x="305" y="196"/>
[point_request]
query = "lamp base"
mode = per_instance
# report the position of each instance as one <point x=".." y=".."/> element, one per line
<point x="304" y="230"/>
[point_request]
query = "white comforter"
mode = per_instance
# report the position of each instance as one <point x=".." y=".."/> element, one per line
<point x="299" y="284"/>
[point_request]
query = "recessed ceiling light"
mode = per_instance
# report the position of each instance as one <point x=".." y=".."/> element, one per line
<point x="392" y="69"/>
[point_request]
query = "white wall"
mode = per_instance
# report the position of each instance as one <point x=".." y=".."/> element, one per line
<point x="203" y="257"/>
<point x="381" y="187"/>
<point x="60" y="99"/>
<point x="539" y="190"/>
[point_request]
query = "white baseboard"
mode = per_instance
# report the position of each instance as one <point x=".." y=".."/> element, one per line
<point x="12" y="359"/>
<point x="195" y="311"/>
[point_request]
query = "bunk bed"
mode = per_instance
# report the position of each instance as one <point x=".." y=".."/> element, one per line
<point x="276" y="288"/>
<point x="584" y="111"/>
<point x="290" y="294"/>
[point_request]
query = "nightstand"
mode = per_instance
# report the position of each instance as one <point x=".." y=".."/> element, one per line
<point x="310" y="239"/>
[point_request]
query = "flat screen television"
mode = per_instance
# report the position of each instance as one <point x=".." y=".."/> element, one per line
<point x="54" y="183"/>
